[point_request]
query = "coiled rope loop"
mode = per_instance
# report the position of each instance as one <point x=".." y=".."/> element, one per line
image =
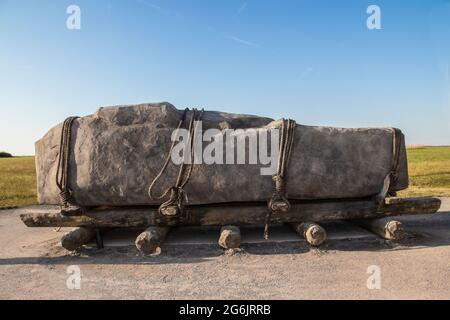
<point x="279" y="202"/>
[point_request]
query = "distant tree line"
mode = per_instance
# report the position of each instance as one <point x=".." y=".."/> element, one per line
<point x="5" y="154"/>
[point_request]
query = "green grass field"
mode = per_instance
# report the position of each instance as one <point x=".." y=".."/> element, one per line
<point x="429" y="172"/>
<point x="17" y="182"/>
<point x="429" y="169"/>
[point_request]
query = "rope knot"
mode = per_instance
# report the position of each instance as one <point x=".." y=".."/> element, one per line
<point x="65" y="197"/>
<point x="279" y="203"/>
<point x="279" y="183"/>
<point x="174" y="206"/>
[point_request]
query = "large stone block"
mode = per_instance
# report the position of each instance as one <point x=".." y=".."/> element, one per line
<point x="117" y="152"/>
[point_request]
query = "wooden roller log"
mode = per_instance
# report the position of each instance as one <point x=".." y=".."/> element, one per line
<point x="151" y="239"/>
<point x="386" y="228"/>
<point x="314" y="234"/>
<point x="77" y="237"/>
<point x="225" y="214"/>
<point x="230" y="237"/>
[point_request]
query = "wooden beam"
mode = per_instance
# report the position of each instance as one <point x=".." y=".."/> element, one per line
<point x="151" y="239"/>
<point x="314" y="234"/>
<point x="230" y="237"/>
<point x="386" y="228"/>
<point x="232" y="214"/>
<point x="77" y="237"/>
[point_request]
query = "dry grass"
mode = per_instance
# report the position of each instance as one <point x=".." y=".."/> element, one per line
<point x="17" y="182"/>
<point x="429" y="170"/>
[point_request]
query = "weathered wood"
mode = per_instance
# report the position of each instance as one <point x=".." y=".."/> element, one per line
<point x="77" y="237"/>
<point x="112" y="217"/>
<point x="314" y="234"/>
<point x="233" y="213"/>
<point x="230" y="237"/>
<point x="387" y="228"/>
<point x="410" y="206"/>
<point x="151" y="239"/>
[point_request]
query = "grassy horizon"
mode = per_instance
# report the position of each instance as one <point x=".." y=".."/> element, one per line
<point x="429" y="175"/>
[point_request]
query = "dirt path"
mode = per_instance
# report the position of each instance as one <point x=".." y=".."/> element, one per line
<point x="33" y="265"/>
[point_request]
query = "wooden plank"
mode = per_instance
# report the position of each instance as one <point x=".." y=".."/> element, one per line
<point x="232" y="214"/>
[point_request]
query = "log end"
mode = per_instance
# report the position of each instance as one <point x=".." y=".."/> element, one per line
<point x="394" y="230"/>
<point x="145" y="245"/>
<point x="315" y="235"/>
<point x="149" y="241"/>
<point x="230" y="237"/>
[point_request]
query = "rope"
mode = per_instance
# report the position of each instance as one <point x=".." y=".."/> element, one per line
<point x="279" y="202"/>
<point x="174" y="205"/>
<point x="396" y="145"/>
<point x="62" y="173"/>
<point x="166" y="162"/>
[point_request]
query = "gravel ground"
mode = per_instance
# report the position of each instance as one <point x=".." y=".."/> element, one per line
<point x="34" y="266"/>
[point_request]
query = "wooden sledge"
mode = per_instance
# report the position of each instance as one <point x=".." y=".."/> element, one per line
<point x="303" y="216"/>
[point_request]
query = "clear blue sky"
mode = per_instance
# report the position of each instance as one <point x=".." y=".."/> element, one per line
<point x="314" y="61"/>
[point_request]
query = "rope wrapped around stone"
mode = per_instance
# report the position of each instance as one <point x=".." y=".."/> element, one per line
<point x="67" y="202"/>
<point x="279" y="202"/>
<point x="65" y="197"/>
<point x="396" y="149"/>
<point x="174" y="206"/>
